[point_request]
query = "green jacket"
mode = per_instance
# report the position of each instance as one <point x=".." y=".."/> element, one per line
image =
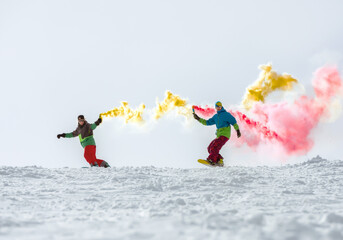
<point x="223" y="121"/>
<point x="85" y="133"/>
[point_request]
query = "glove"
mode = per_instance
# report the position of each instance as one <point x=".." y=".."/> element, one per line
<point x="196" y="116"/>
<point x="61" y="135"/>
<point x="239" y="133"/>
<point x="97" y="122"/>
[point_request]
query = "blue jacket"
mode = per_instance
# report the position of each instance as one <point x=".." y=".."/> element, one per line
<point x="223" y="121"/>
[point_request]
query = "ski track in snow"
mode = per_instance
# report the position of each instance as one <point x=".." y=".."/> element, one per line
<point x="302" y="201"/>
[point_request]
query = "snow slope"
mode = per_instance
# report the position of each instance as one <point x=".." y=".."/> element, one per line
<point x="303" y="201"/>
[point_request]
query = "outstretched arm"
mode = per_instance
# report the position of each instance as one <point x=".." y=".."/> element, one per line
<point x="203" y="121"/>
<point x="96" y="123"/>
<point x="68" y="135"/>
<point x="209" y="122"/>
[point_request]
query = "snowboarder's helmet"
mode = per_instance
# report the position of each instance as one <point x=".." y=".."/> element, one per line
<point x="219" y="104"/>
<point x="81" y="117"/>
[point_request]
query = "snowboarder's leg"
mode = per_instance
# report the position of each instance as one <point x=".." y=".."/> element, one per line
<point x="211" y="145"/>
<point x="209" y="149"/>
<point x="90" y="156"/>
<point x="215" y="147"/>
<point x="98" y="161"/>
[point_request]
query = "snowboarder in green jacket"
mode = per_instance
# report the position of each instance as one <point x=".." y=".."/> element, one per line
<point x="223" y="121"/>
<point x="85" y="132"/>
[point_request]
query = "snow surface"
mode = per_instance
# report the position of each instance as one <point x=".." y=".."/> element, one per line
<point x="302" y="201"/>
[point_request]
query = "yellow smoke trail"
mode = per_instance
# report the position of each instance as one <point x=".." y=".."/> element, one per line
<point x="267" y="82"/>
<point x="171" y="102"/>
<point x="127" y="113"/>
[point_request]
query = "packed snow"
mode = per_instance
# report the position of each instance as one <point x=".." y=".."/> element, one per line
<point x="299" y="201"/>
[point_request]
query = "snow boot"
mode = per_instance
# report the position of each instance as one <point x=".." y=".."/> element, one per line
<point x="95" y="164"/>
<point x="220" y="163"/>
<point x="211" y="162"/>
<point x="105" y="164"/>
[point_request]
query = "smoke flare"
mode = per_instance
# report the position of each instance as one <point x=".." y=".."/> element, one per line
<point x="267" y="82"/>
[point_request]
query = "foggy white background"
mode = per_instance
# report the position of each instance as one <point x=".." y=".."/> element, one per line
<point x="59" y="59"/>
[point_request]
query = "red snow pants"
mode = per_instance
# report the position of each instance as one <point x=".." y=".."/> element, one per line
<point x="90" y="155"/>
<point x="214" y="148"/>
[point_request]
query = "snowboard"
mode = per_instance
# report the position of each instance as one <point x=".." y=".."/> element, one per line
<point x="206" y="163"/>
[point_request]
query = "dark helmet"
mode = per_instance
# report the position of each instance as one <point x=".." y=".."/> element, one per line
<point x="81" y="117"/>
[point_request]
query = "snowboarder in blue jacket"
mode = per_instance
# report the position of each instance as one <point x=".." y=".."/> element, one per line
<point x="223" y="121"/>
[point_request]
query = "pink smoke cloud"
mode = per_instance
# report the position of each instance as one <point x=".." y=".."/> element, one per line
<point x="287" y="124"/>
<point x="327" y="82"/>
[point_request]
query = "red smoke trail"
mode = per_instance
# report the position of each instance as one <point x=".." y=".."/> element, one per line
<point x="257" y="130"/>
<point x="205" y="112"/>
<point x="287" y="124"/>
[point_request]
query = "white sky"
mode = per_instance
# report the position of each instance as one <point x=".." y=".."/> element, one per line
<point x="59" y="59"/>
